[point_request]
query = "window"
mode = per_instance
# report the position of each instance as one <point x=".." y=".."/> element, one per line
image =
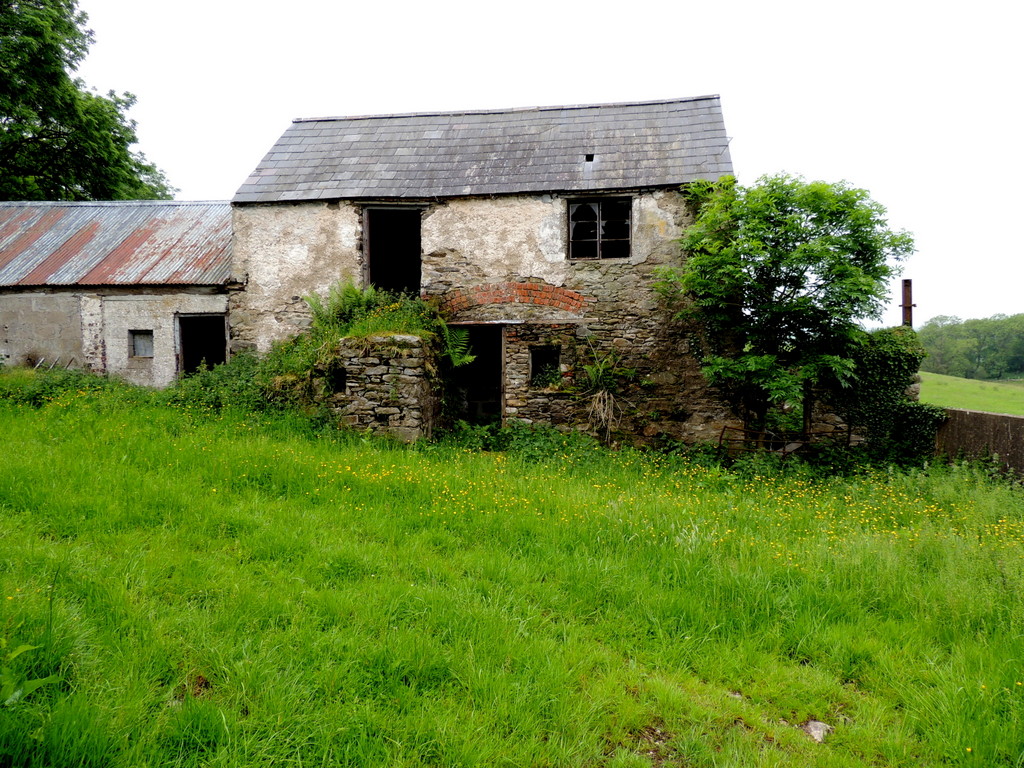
<point x="545" y="370"/>
<point x="599" y="229"/>
<point x="140" y="343"/>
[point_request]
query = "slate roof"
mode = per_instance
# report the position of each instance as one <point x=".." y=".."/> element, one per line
<point x="114" y="243"/>
<point x="452" y="154"/>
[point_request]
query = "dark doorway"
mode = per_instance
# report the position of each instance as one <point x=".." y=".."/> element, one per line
<point x="478" y="386"/>
<point x="393" y="249"/>
<point x="203" y="341"/>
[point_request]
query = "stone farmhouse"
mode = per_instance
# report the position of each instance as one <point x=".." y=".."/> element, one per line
<point x="538" y="230"/>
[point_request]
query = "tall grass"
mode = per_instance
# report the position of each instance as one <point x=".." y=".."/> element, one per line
<point x="219" y="588"/>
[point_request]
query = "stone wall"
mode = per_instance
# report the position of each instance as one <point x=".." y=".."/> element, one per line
<point x="41" y="326"/>
<point x="503" y="262"/>
<point x="385" y="385"/>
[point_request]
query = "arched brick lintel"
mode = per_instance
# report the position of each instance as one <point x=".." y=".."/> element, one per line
<point x="541" y="294"/>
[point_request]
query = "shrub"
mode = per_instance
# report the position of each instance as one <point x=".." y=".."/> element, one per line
<point x="350" y="311"/>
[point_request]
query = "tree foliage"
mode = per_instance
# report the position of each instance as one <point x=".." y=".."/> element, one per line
<point x="58" y="139"/>
<point x="988" y="348"/>
<point x="777" y="276"/>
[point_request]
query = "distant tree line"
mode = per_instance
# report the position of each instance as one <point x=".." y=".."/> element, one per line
<point x="989" y="348"/>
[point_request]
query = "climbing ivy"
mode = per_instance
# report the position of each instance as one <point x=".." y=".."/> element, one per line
<point x="899" y="429"/>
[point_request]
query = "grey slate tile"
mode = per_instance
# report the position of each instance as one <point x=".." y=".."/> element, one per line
<point x="495" y="152"/>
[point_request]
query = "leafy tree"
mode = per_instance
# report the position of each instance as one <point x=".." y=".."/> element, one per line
<point x="58" y="139"/>
<point x="778" y="274"/>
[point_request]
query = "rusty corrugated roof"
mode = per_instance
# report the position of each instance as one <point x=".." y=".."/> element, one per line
<point x="131" y="242"/>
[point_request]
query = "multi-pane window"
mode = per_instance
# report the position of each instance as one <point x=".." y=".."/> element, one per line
<point x="599" y="229"/>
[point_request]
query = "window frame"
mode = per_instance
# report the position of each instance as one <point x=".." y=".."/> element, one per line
<point x="578" y="245"/>
<point x="137" y="335"/>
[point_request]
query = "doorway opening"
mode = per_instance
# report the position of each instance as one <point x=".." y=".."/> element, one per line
<point x="477" y="386"/>
<point x="202" y="341"/>
<point x="392" y="243"/>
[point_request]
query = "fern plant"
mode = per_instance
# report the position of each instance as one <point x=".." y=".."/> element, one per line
<point x="349" y="310"/>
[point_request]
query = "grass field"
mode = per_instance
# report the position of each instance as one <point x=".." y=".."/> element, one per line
<point x="973" y="394"/>
<point x="193" y="589"/>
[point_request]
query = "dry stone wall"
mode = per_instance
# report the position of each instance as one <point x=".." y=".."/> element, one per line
<point x="385" y="385"/>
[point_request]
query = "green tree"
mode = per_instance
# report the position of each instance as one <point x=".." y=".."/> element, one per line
<point x="777" y="276"/>
<point x="987" y="348"/>
<point x="58" y="139"/>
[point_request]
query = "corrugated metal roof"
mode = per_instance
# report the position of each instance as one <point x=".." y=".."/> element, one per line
<point x="136" y="242"/>
<point x="542" y="149"/>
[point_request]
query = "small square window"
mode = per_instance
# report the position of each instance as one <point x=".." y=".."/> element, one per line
<point x="140" y="343"/>
<point x="545" y="366"/>
<point x="600" y="229"/>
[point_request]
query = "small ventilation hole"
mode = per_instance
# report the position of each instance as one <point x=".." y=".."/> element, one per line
<point x="589" y="158"/>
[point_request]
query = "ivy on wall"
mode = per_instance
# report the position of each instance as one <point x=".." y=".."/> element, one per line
<point x="900" y="430"/>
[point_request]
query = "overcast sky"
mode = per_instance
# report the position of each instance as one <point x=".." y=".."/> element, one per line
<point x="918" y="102"/>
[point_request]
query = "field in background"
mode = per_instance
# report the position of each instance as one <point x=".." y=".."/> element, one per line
<point x="973" y="394"/>
<point x="186" y="588"/>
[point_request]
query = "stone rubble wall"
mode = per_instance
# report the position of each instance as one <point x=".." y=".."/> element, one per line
<point x="501" y="261"/>
<point x="385" y="385"/>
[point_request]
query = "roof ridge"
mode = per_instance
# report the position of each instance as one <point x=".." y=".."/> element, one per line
<point x="506" y="111"/>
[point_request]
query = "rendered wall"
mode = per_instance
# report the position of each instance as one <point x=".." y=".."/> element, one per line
<point x="282" y="253"/>
<point x="124" y="313"/>
<point x="91" y="330"/>
<point x="40" y="326"/>
<point x="500" y="260"/>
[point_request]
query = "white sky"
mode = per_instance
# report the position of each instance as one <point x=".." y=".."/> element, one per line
<point x="918" y="102"/>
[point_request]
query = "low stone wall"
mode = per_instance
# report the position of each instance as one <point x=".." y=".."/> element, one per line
<point x="980" y="435"/>
<point x="385" y="385"/>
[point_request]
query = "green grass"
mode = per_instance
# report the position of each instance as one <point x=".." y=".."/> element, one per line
<point x="231" y="590"/>
<point x="973" y="394"/>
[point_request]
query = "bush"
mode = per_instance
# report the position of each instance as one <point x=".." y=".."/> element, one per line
<point x="349" y="311"/>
